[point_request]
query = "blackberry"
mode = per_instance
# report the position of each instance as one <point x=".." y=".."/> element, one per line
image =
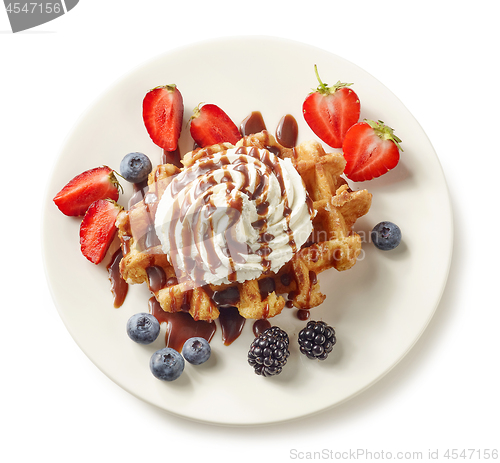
<point x="316" y="340"/>
<point x="269" y="352"/>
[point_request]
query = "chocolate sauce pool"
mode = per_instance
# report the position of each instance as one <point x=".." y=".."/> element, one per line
<point x="287" y="131"/>
<point x="254" y="123"/>
<point x="181" y="326"/>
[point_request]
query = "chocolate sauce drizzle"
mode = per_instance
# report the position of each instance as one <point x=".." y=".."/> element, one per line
<point x="119" y="287"/>
<point x="231" y="323"/>
<point x="181" y="325"/>
<point x="172" y="157"/>
<point x="201" y="206"/>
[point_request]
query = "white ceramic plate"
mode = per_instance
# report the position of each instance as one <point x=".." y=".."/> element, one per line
<point x="379" y="308"/>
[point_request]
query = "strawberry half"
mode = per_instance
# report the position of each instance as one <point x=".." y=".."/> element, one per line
<point x="331" y="111"/>
<point x="370" y="149"/>
<point x="98" y="229"/>
<point x="211" y="125"/>
<point x="162" y="111"/>
<point x="91" y="185"/>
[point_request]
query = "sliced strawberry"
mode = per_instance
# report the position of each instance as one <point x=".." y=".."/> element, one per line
<point x="371" y="149"/>
<point x="98" y="229"/>
<point x="331" y="111"/>
<point x="211" y="125"/>
<point x="91" y="185"/>
<point x="162" y="111"/>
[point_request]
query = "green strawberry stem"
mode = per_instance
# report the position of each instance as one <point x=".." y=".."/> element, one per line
<point x="169" y="87"/>
<point x="384" y="132"/>
<point x="114" y="180"/>
<point x="324" y="89"/>
<point x="114" y="203"/>
<point x="196" y="111"/>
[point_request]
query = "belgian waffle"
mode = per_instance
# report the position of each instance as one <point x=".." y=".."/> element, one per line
<point x="331" y="244"/>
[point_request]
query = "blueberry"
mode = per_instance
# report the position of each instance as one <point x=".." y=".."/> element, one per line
<point x="143" y="328"/>
<point x="196" y="350"/>
<point x="135" y="167"/>
<point x="166" y="364"/>
<point x="386" y="235"/>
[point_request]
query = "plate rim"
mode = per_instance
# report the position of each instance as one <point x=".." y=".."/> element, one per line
<point x="162" y="56"/>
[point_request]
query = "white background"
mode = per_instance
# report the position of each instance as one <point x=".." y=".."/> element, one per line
<point x="439" y="57"/>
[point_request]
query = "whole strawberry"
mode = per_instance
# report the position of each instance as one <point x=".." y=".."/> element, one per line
<point x="331" y="111"/>
<point x="162" y="111"/>
<point x="370" y="149"/>
<point x="210" y="125"/>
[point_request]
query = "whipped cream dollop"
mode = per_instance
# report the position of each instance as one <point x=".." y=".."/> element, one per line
<point x="232" y="216"/>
